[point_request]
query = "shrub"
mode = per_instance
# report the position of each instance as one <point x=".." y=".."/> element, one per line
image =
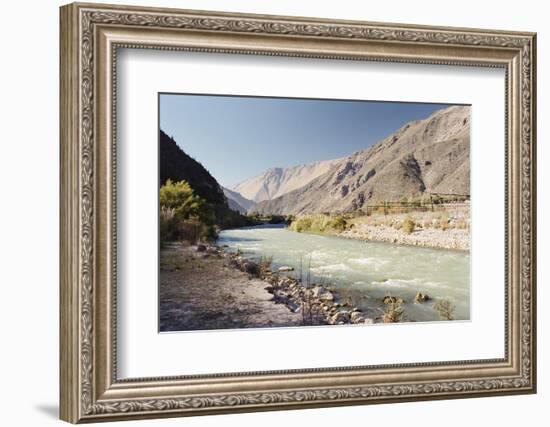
<point x="445" y="309"/>
<point x="338" y="223"/>
<point x="301" y="224"/>
<point x="408" y="225"/>
<point x="183" y="215"/>
<point x="393" y="313"/>
<point x="174" y="228"/>
<point x="319" y="223"/>
<point x="180" y="197"/>
<point x="265" y="265"/>
<point x="442" y="221"/>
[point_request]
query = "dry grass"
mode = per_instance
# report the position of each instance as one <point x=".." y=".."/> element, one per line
<point x="445" y="309"/>
<point x="393" y="313"/>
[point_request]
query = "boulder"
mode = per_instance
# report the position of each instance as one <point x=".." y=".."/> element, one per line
<point x="201" y="247"/>
<point x="340" y="316"/>
<point x="357" y="317"/>
<point x="316" y="291"/>
<point x="326" y="296"/>
<point x="420" y="297"/>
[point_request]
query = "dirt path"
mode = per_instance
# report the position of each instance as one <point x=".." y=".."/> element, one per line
<point x="200" y="290"/>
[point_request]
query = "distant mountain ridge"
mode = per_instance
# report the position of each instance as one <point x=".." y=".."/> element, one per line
<point x="430" y="155"/>
<point x="275" y="182"/>
<point x="236" y="201"/>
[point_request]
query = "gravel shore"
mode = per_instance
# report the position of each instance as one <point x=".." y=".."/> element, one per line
<point x="441" y="229"/>
<point x="454" y="238"/>
<point x="205" y="287"/>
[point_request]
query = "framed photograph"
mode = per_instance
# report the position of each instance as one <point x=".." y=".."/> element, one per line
<point x="266" y="212"/>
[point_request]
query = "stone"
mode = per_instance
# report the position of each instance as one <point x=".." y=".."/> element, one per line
<point x="316" y="291"/>
<point x="420" y="297"/>
<point x="201" y="247"/>
<point x="286" y="268"/>
<point x="340" y="316"/>
<point x="326" y="296"/>
<point x="356" y="317"/>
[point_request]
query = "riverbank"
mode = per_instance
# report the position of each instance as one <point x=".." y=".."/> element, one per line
<point x="441" y="229"/>
<point x="205" y="287"/>
<point x="455" y="239"/>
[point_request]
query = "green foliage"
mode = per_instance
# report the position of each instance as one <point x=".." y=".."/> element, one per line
<point x="180" y="197"/>
<point x="408" y="225"/>
<point x="319" y="223"/>
<point x="183" y="215"/>
<point x="256" y="218"/>
<point x="301" y="224"/>
<point x="338" y="223"/>
<point x="277" y="219"/>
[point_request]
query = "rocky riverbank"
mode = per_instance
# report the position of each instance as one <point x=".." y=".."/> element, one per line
<point x="316" y="304"/>
<point x="442" y="229"/>
<point x="457" y="239"/>
<point x="206" y="287"/>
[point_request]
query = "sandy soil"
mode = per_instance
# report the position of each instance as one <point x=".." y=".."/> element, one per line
<point x="200" y="290"/>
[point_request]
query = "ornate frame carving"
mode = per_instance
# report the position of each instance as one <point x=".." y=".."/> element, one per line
<point x="90" y="36"/>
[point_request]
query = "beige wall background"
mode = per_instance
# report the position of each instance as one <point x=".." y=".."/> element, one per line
<point x="29" y="170"/>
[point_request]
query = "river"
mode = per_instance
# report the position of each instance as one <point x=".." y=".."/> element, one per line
<point x="365" y="272"/>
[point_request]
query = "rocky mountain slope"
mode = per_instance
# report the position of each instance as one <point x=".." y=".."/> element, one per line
<point x="236" y="201"/>
<point x="278" y="181"/>
<point x="430" y="155"/>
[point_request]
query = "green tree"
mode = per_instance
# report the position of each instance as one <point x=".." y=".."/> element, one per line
<point x="180" y="197"/>
<point x="184" y="215"/>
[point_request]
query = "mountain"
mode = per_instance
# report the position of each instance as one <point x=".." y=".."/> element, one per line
<point x="278" y="181"/>
<point x="176" y="165"/>
<point x="236" y="201"/>
<point x="430" y="155"/>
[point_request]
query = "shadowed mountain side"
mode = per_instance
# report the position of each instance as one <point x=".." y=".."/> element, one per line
<point x="430" y="155"/>
<point x="176" y="165"/>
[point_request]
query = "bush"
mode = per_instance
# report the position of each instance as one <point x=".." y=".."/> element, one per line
<point x="445" y="309"/>
<point x="183" y="215"/>
<point x="443" y="221"/>
<point x="318" y="224"/>
<point x="301" y="224"/>
<point x="408" y="225"/>
<point x="192" y="230"/>
<point x="338" y="223"/>
<point x="265" y="265"/>
<point x="393" y="313"/>
<point x="180" y="197"/>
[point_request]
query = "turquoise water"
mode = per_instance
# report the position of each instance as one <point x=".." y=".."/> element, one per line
<point x="363" y="271"/>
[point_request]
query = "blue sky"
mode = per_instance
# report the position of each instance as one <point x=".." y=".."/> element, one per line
<point x="236" y="138"/>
